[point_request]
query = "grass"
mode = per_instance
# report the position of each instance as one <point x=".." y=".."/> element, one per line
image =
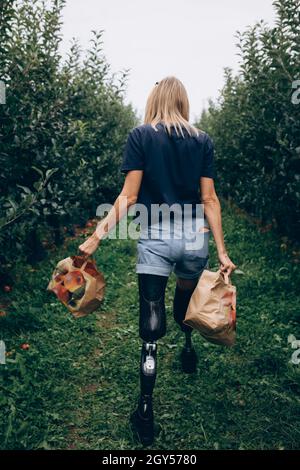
<point x="77" y="383"/>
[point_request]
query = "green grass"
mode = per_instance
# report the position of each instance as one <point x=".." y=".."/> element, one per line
<point x="76" y="385"/>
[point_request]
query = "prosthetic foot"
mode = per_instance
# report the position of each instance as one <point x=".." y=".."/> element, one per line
<point x="188" y="356"/>
<point x="189" y="360"/>
<point x="142" y="421"/>
<point x="142" y="418"/>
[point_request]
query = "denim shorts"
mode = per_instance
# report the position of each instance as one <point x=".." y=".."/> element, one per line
<point x="178" y="248"/>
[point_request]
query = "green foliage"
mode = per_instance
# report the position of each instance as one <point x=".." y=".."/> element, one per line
<point x="255" y="124"/>
<point x="66" y="115"/>
<point x="28" y="200"/>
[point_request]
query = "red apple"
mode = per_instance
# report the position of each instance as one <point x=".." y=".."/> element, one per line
<point x="61" y="293"/>
<point x="59" y="278"/>
<point x="73" y="280"/>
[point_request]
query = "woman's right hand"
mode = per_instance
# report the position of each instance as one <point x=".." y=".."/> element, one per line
<point x="226" y="264"/>
<point x="90" y="245"/>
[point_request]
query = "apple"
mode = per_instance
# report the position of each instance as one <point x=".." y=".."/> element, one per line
<point x="73" y="280"/>
<point x="61" y="292"/>
<point x="58" y="278"/>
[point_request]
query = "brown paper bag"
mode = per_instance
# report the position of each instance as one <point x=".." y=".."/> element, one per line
<point x="212" y="308"/>
<point x="78" y="284"/>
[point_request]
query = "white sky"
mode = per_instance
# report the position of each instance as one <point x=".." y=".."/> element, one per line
<point x="191" y="39"/>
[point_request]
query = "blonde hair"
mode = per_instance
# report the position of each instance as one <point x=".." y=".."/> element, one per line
<point x="168" y="103"/>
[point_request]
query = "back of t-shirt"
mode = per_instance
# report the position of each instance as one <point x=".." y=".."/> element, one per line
<point x="172" y="165"/>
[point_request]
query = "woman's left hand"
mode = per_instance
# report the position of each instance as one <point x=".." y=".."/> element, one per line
<point x="90" y="245"/>
<point x="226" y="264"/>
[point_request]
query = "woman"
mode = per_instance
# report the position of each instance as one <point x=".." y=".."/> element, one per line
<point x="167" y="162"/>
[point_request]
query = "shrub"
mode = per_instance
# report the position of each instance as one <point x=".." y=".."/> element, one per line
<point x="255" y="124"/>
<point x="65" y="115"/>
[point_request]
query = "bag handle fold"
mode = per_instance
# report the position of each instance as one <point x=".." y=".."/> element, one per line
<point x="225" y="276"/>
<point x="90" y="258"/>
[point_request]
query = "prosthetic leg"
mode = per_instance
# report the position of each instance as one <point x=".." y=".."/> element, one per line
<point x="188" y="354"/>
<point x="152" y="326"/>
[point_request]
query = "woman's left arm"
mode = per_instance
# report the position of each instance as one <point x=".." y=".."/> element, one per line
<point x="127" y="197"/>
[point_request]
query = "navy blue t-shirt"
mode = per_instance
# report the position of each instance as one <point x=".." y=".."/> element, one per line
<point x="172" y="165"/>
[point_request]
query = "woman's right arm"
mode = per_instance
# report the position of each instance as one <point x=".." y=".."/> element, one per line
<point x="127" y="197"/>
<point x="212" y="211"/>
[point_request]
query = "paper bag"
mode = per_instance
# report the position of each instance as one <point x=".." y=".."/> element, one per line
<point x="212" y="308"/>
<point x="78" y="284"/>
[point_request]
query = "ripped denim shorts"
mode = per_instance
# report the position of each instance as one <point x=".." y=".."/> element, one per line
<point x="181" y="248"/>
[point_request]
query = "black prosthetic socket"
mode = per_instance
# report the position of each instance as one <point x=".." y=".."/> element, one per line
<point x="180" y="305"/>
<point x="152" y="324"/>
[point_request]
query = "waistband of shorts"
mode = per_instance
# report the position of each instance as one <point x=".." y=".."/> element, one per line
<point x="175" y="225"/>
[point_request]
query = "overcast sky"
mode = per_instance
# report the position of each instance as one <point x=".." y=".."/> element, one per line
<point x="191" y="39"/>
